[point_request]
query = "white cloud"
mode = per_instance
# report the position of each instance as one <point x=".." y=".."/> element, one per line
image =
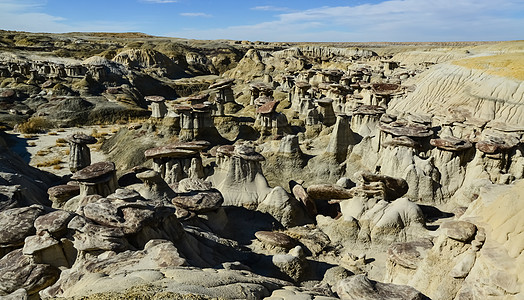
<point x="393" y="20"/>
<point x="270" y="8"/>
<point x="195" y="14"/>
<point x="27" y="15"/>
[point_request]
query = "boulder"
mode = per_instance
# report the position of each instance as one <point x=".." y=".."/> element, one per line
<point x="53" y="222"/>
<point x="328" y="191"/>
<point x="409" y="254"/>
<point x="18" y="223"/>
<point x="275" y="239"/>
<point x="199" y="201"/>
<point x="18" y="271"/>
<point x="459" y="230"/>
<point x="359" y="287"/>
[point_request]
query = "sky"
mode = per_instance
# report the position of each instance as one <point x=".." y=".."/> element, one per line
<point x="267" y="20"/>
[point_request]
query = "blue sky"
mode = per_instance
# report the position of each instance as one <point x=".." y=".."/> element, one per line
<point x="304" y="20"/>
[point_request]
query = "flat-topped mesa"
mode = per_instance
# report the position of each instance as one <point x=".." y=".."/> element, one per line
<point x="97" y="179"/>
<point x="325" y="111"/>
<point x="269" y="121"/>
<point x="178" y="161"/>
<point x="238" y="176"/>
<point x="259" y="89"/>
<point x="365" y="119"/>
<point x="341" y="139"/>
<point x="194" y="120"/>
<point x="224" y="89"/>
<point x="158" y="106"/>
<point x="79" y="152"/>
<point x="383" y="93"/>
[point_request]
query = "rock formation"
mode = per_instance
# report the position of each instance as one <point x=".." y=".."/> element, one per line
<point x="288" y="171"/>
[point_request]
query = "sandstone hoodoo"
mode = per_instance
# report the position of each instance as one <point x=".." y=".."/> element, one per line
<point x="259" y="170"/>
<point x="97" y="179"/>
<point x="158" y="106"/>
<point x="79" y="152"/>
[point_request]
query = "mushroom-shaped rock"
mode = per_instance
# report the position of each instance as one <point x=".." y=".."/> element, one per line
<point x="497" y="143"/>
<point x="197" y="99"/>
<point x="459" y="230"/>
<point x="177" y="161"/>
<point x="276" y="239"/>
<point x="98" y="178"/>
<point x="403" y="141"/>
<point x="79" y="153"/>
<point x="451" y="144"/>
<point x="199" y="201"/>
<point x="267" y="108"/>
<point x="158" y="106"/>
<point x="169" y="151"/>
<point x="328" y="191"/>
<point x="398" y="128"/>
<point x="385" y="88"/>
<point x="326" y="112"/>
<point x="374" y="110"/>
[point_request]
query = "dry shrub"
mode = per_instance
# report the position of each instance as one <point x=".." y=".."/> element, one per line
<point x="31" y="144"/>
<point x="52" y="162"/>
<point x="34" y="125"/>
<point x="61" y="142"/>
<point x="99" y="135"/>
<point x="52" y="133"/>
<point x="43" y="152"/>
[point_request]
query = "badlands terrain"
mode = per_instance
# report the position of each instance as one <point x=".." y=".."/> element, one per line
<point x="141" y="167"/>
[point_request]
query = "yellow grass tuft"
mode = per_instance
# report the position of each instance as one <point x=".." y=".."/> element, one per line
<point x="61" y="142"/>
<point x="49" y="163"/>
